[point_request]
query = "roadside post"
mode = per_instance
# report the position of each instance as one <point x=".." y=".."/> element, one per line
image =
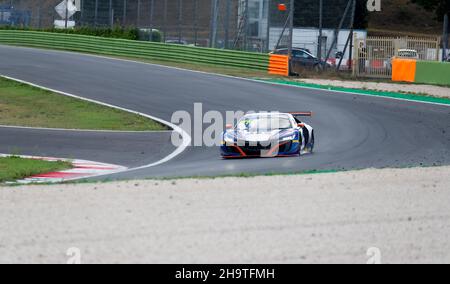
<point x="213" y="31"/>
<point x="124" y="13"/>
<point x="152" y="13"/>
<point x="138" y="18"/>
<point x="269" y="5"/>
<point x="111" y="14"/>
<point x="96" y="13"/>
<point x="319" y="42"/>
<point x="67" y="13"/>
<point x="445" y="40"/>
<point x="291" y="29"/>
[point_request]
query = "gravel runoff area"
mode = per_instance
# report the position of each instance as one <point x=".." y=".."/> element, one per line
<point x="319" y="218"/>
<point x="430" y="90"/>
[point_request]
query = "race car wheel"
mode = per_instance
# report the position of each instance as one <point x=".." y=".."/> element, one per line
<point x="311" y="150"/>
<point x="300" y="148"/>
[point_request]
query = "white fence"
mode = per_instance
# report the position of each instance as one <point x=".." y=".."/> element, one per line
<point x="373" y="56"/>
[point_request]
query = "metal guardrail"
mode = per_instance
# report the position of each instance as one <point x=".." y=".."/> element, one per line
<point x="136" y="49"/>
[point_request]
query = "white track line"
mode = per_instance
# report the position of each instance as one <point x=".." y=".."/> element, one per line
<point x="80" y="130"/>
<point x="180" y="149"/>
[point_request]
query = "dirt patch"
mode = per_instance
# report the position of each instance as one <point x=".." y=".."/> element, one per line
<point x="429" y="90"/>
<point x="319" y="218"/>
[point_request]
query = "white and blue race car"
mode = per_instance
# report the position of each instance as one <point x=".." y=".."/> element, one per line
<point x="268" y="135"/>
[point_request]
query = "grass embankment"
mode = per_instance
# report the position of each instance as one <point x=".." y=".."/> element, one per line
<point x="24" y="105"/>
<point x="15" y="168"/>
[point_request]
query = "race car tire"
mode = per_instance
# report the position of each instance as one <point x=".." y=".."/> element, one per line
<point x="306" y="135"/>
<point x="312" y="143"/>
<point x="300" y="147"/>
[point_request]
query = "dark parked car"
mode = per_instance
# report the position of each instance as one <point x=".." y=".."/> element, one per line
<point x="177" y="41"/>
<point x="297" y="48"/>
<point x="303" y="59"/>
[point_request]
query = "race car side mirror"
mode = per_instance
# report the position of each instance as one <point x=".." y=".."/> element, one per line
<point x="301" y="125"/>
<point x="229" y="126"/>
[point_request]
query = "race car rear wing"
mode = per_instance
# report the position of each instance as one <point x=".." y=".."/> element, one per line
<point x="298" y="115"/>
<point x="301" y="113"/>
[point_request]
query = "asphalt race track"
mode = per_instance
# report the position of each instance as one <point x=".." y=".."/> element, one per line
<point x="98" y="146"/>
<point x="352" y="132"/>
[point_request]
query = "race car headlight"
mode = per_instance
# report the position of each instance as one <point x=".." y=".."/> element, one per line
<point x="228" y="139"/>
<point x="288" y="138"/>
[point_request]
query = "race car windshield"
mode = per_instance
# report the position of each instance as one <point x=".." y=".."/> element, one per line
<point x="264" y="123"/>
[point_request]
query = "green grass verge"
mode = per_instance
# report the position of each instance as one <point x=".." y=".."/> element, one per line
<point x="251" y="175"/>
<point x="394" y="95"/>
<point x="15" y="168"/>
<point x="24" y="105"/>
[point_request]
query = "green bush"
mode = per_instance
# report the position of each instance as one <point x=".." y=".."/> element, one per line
<point x="144" y="35"/>
<point x="157" y="36"/>
<point x="116" y="32"/>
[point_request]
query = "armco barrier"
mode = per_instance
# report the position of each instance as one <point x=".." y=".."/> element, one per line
<point x="425" y="72"/>
<point x="142" y="50"/>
